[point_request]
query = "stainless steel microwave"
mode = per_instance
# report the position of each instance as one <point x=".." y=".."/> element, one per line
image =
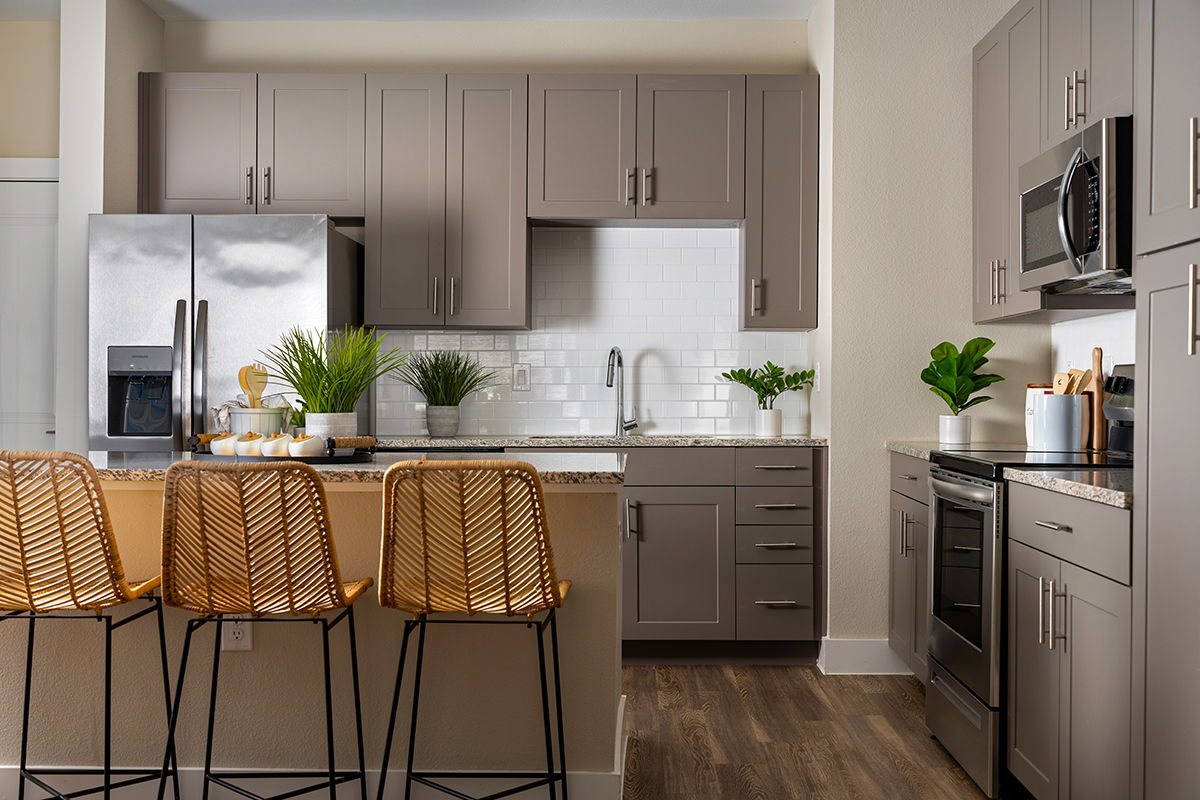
<point x="1077" y="213"/>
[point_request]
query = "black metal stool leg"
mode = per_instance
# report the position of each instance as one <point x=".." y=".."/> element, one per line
<point x="168" y="754"/>
<point x="562" y="747"/>
<point x="362" y="764"/>
<point x="412" y="730"/>
<point x="162" y="650"/>
<point x="107" y="707"/>
<point x="387" y="747"/>
<point x="25" y="717"/>
<point x="546" y="709"/>
<point x="329" y="713"/>
<point x="212" y="707"/>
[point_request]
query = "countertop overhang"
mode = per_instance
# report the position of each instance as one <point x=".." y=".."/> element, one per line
<point x="598" y="442"/>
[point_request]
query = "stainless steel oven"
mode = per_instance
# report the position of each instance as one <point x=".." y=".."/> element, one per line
<point x="1077" y="213"/>
<point x="965" y="634"/>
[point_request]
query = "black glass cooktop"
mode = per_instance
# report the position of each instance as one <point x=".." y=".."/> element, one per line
<point x="989" y="461"/>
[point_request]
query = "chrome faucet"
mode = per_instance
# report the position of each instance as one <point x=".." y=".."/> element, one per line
<point x="616" y="366"/>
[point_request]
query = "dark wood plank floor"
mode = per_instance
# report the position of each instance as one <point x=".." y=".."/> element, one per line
<point x="777" y="732"/>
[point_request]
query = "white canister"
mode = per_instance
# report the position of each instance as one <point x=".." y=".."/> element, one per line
<point x="256" y="420"/>
<point x="1057" y="422"/>
<point x="1033" y="390"/>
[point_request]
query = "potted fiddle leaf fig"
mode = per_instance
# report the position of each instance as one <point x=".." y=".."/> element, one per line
<point x="954" y="376"/>
<point x="768" y="382"/>
<point x="445" y="378"/>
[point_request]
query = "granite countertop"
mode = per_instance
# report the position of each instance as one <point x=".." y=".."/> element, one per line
<point x="607" y="442"/>
<point x="919" y="450"/>
<point x="1112" y="486"/>
<point x="553" y="468"/>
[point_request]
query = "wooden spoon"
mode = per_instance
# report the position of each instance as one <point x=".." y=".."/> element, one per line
<point x="1083" y="384"/>
<point x="256" y="378"/>
<point x="242" y="380"/>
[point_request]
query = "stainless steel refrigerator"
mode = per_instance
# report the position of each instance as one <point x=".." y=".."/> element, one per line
<point x="178" y="303"/>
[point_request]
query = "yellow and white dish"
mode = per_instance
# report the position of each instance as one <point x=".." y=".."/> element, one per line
<point x="307" y="446"/>
<point x="249" y="444"/>
<point x="223" y="445"/>
<point x="276" y="445"/>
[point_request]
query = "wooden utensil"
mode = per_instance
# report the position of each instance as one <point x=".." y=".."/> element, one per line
<point x="1073" y="376"/>
<point x="242" y="380"/>
<point x="256" y="378"/>
<point x="1099" y="423"/>
<point x="1083" y="384"/>
<point x="1060" y="383"/>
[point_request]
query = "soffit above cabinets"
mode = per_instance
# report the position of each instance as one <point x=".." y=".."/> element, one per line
<point x="478" y="10"/>
<point x="29" y="10"/>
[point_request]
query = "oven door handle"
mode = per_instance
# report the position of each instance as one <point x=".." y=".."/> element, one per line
<point x="955" y="492"/>
<point x="1064" y="229"/>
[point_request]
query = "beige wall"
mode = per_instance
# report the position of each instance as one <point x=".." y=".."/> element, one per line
<point x="594" y="46"/>
<point x="29" y="89"/>
<point x="902" y="262"/>
<point x="133" y="44"/>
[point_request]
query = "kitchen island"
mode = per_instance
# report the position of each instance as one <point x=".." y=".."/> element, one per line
<point x="480" y="703"/>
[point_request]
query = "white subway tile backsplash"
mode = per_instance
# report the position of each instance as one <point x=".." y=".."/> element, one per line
<point x="665" y="296"/>
<point x="1071" y="342"/>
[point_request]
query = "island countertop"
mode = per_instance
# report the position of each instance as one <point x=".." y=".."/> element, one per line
<point x="599" y="442"/>
<point x="553" y="468"/>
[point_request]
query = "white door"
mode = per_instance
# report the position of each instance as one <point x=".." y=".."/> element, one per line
<point x="28" y="259"/>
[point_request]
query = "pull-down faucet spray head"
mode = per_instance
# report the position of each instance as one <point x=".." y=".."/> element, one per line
<point x="614" y="359"/>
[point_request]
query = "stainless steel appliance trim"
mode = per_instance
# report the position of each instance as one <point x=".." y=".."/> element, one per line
<point x="775" y="544"/>
<point x="960" y="491"/>
<point x="968" y="729"/>
<point x="1054" y="526"/>
<point x="179" y="343"/>
<point x="200" y="369"/>
<point x="1064" y="232"/>
<point x="966" y="549"/>
<point x="1192" y="335"/>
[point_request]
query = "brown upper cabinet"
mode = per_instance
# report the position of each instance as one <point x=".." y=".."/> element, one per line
<point x="779" y="236"/>
<point x="198" y="152"/>
<point x="582" y="152"/>
<point x="1087" y="63"/>
<point x="1168" y="125"/>
<point x="240" y="143"/>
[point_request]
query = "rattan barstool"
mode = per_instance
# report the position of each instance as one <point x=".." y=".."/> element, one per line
<point x="58" y="555"/>
<point x="255" y="539"/>
<point x="469" y="536"/>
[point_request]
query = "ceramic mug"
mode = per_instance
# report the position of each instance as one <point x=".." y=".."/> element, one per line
<point x="1057" y="422"/>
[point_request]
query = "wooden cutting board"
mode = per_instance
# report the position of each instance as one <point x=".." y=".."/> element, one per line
<point x="1099" y="423"/>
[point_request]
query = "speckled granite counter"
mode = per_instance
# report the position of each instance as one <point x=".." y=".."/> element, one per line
<point x="1112" y="487"/>
<point x="554" y="468"/>
<point x="607" y="442"/>
<point x="922" y="450"/>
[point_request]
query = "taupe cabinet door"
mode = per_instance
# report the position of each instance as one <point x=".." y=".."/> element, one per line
<point x="1109" y="52"/>
<point x="310" y="144"/>
<point x="582" y="133"/>
<point x="487" y="233"/>
<point x="198" y="154"/>
<point x="1062" y="54"/>
<point x="678" y="564"/>
<point x="691" y="146"/>
<point x="779" y="236"/>
<point x="405" y="270"/>
<point x="1171" y="508"/>
<point x="908" y="618"/>
<point x="1168" y="203"/>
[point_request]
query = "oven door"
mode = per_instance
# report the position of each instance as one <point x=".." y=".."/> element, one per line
<point x="965" y="580"/>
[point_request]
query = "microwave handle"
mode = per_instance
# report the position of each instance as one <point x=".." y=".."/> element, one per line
<point x="1064" y="231"/>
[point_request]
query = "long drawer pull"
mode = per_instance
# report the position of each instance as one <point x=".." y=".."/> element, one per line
<point x="1054" y="526"/>
<point x="908" y="477"/>
<point x="776" y="506"/>
<point x="967" y="605"/>
<point x="776" y="544"/>
<point x="774" y="602"/>
<point x="776" y="466"/>
<point x="968" y="549"/>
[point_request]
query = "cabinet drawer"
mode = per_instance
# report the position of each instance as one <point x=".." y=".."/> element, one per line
<point x="775" y="601"/>
<point x="1094" y="536"/>
<point x="769" y="505"/>
<point x="774" y="466"/>
<point x="910" y="477"/>
<point x="773" y="544"/>
<point x="682" y="466"/>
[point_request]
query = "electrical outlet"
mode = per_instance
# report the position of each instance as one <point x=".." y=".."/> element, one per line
<point x="817" y="377"/>
<point x="521" y="378"/>
<point x="237" y="633"/>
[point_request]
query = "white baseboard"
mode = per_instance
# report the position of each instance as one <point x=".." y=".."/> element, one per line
<point x="859" y="657"/>
<point x="581" y="785"/>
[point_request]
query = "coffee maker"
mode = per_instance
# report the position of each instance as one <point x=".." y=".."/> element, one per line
<point x="1118" y="408"/>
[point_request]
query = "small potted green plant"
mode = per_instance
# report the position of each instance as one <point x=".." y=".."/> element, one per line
<point x="330" y="373"/>
<point x="444" y="378"/>
<point x="954" y="376"/>
<point x="768" y="382"/>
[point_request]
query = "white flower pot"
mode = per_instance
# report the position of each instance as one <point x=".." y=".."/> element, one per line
<point x="337" y="426"/>
<point x="954" y="429"/>
<point x="441" y="421"/>
<point x="768" y="423"/>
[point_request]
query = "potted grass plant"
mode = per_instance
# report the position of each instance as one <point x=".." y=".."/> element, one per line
<point x="444" y="378"/>
<point x="330" y="373"/>
<point x="768" y="382"/>
<point x="954" y="376"/>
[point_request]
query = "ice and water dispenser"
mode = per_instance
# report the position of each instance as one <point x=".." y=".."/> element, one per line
<point x="139" y="392"/>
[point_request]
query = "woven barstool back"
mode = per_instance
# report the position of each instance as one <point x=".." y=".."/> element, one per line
<point x="57" y="550"/>
<point x="466" y="536"/>
<point x="250" y="539"/>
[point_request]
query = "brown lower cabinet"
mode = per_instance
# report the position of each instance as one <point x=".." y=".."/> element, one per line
<point x="908" y="545"/>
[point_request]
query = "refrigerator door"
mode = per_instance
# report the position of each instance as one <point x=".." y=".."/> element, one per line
<point x="260" y="276"/>
<point x="139" y="295"/>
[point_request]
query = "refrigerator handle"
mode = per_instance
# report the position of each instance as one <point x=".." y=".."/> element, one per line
<point x="200" y="370"/>
<point x="178" y="408"/>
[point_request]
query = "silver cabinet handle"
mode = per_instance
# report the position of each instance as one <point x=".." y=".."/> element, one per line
<point x="908" y="548"/>
<point x="776" y="466"/>
<point x="991" y="283"/>
<point x="1076" y="114"/>
<point x="453" y="286"/>
<point x="646" y="199"/>
<point x="1054" y="526"/>
<point x="1001" y="267"/>
<point x="435" y="295"/>
<point x="966" y="549"/>
<point x="1191" y="336"/>
<point x="630" y="187"/>
<point x="629" y="509"/>
<point x="1067" y="103"/>
<point x="774" y="602"/>
<point x="266" y="186"/>
<point x="249" y="185"/>
<point x="754" y="286"/>
<point x="1051" y="635"/>
<point x="775" y="544"/>
<point x="1193" y="134"/>
<point x="908" y="477"/>
<point x="1041" y="609"/>
<point x="775" y="506"/>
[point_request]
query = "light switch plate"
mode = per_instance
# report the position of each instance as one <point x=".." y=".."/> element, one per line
<point x="521" y="378"/>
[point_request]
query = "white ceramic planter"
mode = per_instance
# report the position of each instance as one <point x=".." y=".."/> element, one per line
<point x="256" y="420"/>
<point x="768" y="423"/>
<point x="954" y="429"/>
<point x="338" y="426"/>
<point x="441" y="421"/>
